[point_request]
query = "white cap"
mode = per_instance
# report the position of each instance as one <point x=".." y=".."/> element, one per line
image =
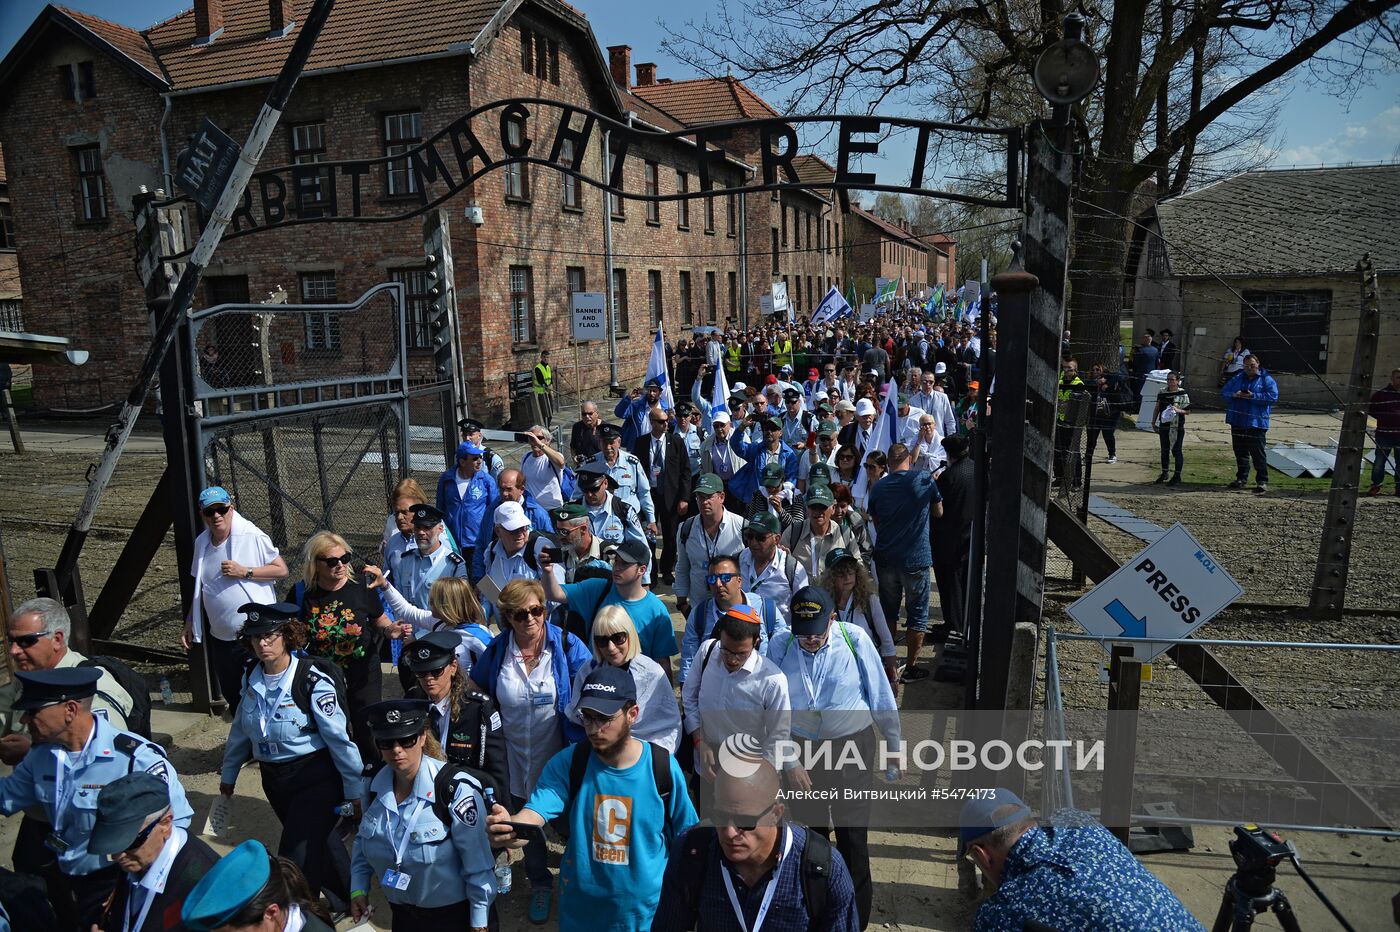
<point x="864" y="407"/>
<point x="821" y="393"/>
<point x="940" y="368"/>
<point x="720" y="417"/>
<point x="511" y="516"/>
<point x="737" y="387"/>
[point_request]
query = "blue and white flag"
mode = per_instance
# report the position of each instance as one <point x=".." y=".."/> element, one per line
<point x="719" y="395"/>
<point x="832" y="307"/>
<point x="656" y="370"/>
<point x="882" y="436"/>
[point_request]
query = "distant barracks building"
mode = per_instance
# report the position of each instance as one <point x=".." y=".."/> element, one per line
<point x="91" y="111"/>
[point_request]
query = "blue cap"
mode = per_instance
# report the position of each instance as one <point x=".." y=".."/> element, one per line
<point x="978" y="815"/>
<point x="229" y="886"/>
<point x="123" y="806"/>
<point x="42" y="688"/>
<point x="607" y="689"/>
<point x="811" y="610"/>
<point x="467" y="448"/>
<point x="214" y="495"/>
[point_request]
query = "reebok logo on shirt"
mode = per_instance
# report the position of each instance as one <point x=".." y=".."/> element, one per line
<point x="612" y="829"/>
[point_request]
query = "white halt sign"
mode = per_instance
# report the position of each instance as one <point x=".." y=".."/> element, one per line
<point x="1171" y="588"/>
<point x="590" y="321"/>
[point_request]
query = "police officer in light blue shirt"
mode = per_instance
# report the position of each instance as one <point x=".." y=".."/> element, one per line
<point x="423" y="836"/>
<point x="74" y="755"/>
<point x="429" y="559"/>
<point x="292" y="721"/>
<point x="630" y="482"/>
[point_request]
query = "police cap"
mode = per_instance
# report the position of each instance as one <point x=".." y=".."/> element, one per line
<point x="470" y="425"/>
<point x="609" y="431"/>
<point x="230" y="885"/>
<point x="42" y="688"/>
<point x="425" y="515"/>
<point x="265" y="619"/>
<point x="397" y="718"/>
<point x="123" y="806"/>
<point x="432" y="651"/>
<point x="592" y="473"/>
<point x="791" y="394"/>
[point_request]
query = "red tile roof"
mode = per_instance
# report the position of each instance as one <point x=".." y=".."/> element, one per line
<point x="706" y="100"/>
<point x="127" y="41"/>
<point x="813" y="169"/>
<point x="889" y="229"/>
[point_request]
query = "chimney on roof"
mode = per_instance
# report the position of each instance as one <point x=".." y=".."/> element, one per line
<point x="620" y="64"/>
<point x="646" y="74"/>
<point x="208" y="19"/>
<point x="279" y="17"/>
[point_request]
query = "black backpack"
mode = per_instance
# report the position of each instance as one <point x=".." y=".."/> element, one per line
<point x="578" y="765"/>
<point x="814" y="872"/>
<point x="573" y="621"/>
<point x="311" y="669"/>
<point x="138" y="720"/>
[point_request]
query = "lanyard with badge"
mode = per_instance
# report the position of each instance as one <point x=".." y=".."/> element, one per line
<point x="63" y="793"/>
<point x="394" y="878"/>
<point x="807" y="723"/>
<point x="268" y="707"/>
<point x="151" y="890"/>
<point x="767" y="894"/>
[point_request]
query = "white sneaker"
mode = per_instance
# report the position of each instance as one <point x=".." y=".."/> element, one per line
<point x="1112" y="460"/>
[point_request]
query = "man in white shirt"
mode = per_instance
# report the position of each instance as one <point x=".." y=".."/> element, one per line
<point x="542" y="468"/>
<point x="509" y="555"/>
<point x="234" y="563"/>
<point x="713" y="531"/>
<point x="767" y="569"/>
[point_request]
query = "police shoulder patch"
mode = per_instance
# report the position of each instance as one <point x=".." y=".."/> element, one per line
<point x="326" y="703"/>
<point x="454" y="557"/>
<point x="465" y="809"/>
<point x="160" y="769"/>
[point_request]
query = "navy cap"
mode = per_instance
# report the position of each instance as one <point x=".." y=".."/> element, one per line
<point x="397" y="718"/>
<point x="470" y="425"/>
<point x="631" y="550"/>
<point x="264" y="619"/>
<point x="594" y="472"/>
<point x="609" y="431"/>
<point x="123" y="806"/>
<point x="425" y="515"/>
<point x="607" y="689"/>
<point x="230" y="885"/>
<point x="772" y="475"/>
<point x="979" y="817"/>
<point x="812" y="607"/>
<point x="42" y="688"/>
<point x="432" y="651"/>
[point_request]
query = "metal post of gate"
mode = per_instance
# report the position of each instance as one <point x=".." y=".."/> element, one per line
<point x="1120" y="757"/>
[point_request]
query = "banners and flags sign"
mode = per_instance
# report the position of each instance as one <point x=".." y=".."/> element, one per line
<point x="719" y="395"/>
<point x="832" y="307"/>
<point x="1171" y="588"/>
<point x="882" y="435"/>
<point x="765" y="305"/>
<point x="656" y="369"/>
<point x="867" y="311"/>
<point x="590" y="321"/>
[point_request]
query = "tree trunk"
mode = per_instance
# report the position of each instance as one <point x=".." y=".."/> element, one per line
<point x="1098" y="256"/>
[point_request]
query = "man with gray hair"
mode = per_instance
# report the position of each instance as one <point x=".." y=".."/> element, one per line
<point x="543" y="468"/>
<point x="583" y="438"/>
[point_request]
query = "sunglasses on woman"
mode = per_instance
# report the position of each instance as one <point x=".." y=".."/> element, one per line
<point x="520" y="614"/>
<point x="723" y="579"/>
<point x="392" y="743"/>
<point x="616" y="639"/>
<point x="215" y="510"/>
<point x="344" y="559"/>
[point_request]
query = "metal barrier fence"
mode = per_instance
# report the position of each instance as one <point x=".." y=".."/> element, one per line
<point x="1311" y="744"/>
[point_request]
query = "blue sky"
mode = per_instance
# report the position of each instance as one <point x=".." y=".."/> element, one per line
<point x="1314" y="127"/>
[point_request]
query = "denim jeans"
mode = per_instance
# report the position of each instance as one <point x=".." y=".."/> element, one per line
<point x="910" y="586"/>
<point x="1384" y="453"/>
<point x="1171" y="445"/>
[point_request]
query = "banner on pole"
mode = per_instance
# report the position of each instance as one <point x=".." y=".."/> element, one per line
<point x="590" y="321"/>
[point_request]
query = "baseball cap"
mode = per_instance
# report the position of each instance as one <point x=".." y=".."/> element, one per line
<point x="771" y="380"/>
<point x="214" y="495"/>
<point x="709" y="484"/>
<point x="772" y="476"/>
<point x="820" y="494"/>
<point x="940" y="368"/>
<point x="631" y="550"/>
<point x="765" y="522"/>
<point x="812" y="373"/>
<point x="838" y="555"/>
<point x="979" y="817"/>
<point x="467" y="448"/>
<point x="720" y="417"/>
<point x="607" y="689"/>
<point x="811" y="610"/>
<point x="511" y="516"/>
<point x="864" y="407"/>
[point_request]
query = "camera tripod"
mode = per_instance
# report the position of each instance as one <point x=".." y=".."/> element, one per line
<point x="1249" y="893"/>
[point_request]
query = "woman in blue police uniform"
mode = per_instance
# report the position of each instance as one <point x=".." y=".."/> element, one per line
<point x="431" y="855"/>
<point x="249" y="890"/>
<point x="292" y="721"/>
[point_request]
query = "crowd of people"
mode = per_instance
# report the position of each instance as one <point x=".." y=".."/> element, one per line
<point x="543" y="684"/>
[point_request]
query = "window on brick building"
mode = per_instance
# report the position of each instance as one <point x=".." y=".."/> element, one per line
<point x="733" y="294"/>
<point x="308" y="146"/>
<point x="615" y="202"/>
<point x="92" y="183"/>
<point x="527" y="51"/>
<point x="687" y="307"/>
<point x="11" y="315"/>
<point x="415" y="294"/>
<point x="710" y="215"/>
<point x="539" y="55"/>
<point x="782" y="213"/>
<point x="522" y="305"/>
<point x="225" y="289"/>
<point x="1288" y="329"/>
<point x="775" y="250"/>
<point x="574" y="278"/>
<point x="683" y="206"/>
<point x="653" y="188"/>
<point x="796" y="229"/>
<point x="809" y="292"/>
<point x="731" y="211"/>
<point x="517" y="174"/>
<point x="807" y="224"/>
<point x="654" y="296"/>
<point x="7" y="224"/>
<point x="571" y="193"/>
<point x="402" y="131"/>
<point x="619" y="302"/>
<point x="322" y="330"/>
<point x="711" y="310"/>
<point x="77" y="81"/>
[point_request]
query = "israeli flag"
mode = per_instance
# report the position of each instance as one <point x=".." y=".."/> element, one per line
<point x="656" y="370"/>
<point x="882" y="436"/>
<point x="719" y="395"/>
<point x="832" y="307"/>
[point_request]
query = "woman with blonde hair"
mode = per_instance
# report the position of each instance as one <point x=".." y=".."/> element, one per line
<point x="615" y="643"/>
<point x="452" y="606"/>
<point x="347" y="623"/>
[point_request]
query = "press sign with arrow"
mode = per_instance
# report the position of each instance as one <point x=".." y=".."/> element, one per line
<point x="1171" y="588"/>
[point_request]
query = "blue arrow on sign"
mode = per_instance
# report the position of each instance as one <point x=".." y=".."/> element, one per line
<point x="1131" y="625"/>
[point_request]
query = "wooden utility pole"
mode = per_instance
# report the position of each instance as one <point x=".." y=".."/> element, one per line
<point x="1329" y="591"/>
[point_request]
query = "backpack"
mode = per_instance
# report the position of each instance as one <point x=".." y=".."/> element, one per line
<point x="138" y="720"/>
<point x="574" y="622"/>
<point x="813" y="872"/>
<point x="311" y="669"/>
<point x="578" y="765"/>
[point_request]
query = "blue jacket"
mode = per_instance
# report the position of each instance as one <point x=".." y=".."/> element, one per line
<point x="464" y="515"/>
<point x="745" y="481"/>
<point x="1144" y="360"/>
<point x="539" y="520"/>
<point x="634" y="413"/>
<point x="1249" y="412"/>
<point x="567" y="656"/>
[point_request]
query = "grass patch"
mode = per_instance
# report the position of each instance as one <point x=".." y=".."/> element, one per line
<point x="1216" y="466"/>
<point x="23" y="396"/>
<point x="1125" y="336"/>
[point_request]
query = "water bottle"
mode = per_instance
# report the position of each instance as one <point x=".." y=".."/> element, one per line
<point x="502" y="872"/>
<point x="167" y="695"/>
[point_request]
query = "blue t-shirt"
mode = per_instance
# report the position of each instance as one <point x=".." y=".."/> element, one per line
<point x="619" y="840"/>
<point x="649" y="615"/>
<point x="900" y="504"/>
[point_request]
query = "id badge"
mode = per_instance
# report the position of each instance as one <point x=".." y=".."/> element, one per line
<point x="55" y="844"/>
<point x="267" y="749"/>
<point x="395" y="880"/>
<point x="541" y="699"/>
<point x="807" y="724"/>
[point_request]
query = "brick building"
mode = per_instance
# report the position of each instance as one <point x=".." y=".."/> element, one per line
<point x="102" y="110"/>
<point x="11" y="295"/>
<point x="876" y="248"/>
<point x="942" y="260"/>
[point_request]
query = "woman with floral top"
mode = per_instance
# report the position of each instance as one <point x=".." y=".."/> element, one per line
<point x="346" y="621"/>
